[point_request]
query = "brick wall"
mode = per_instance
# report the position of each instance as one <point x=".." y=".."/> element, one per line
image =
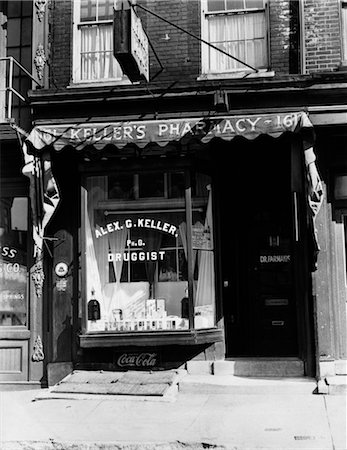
<point x="322" y="35"/>
<point x="180" y="54"/>
<point x="60" y="29"/>
<point x="279" y="14"/>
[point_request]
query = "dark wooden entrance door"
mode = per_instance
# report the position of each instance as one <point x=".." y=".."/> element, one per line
<point x="257" y="230"/>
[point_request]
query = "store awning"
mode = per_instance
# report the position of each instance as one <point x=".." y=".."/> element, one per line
<point x="44" y="190"/>
<point x="162" y="132"/>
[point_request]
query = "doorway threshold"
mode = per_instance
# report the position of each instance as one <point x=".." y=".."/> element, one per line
<point x="260" y="367"/>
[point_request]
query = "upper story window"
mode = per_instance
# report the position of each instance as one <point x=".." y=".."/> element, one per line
<point x="93" y="42"/>
<point x="344" y="31"/>
<point x="239" y="28"/>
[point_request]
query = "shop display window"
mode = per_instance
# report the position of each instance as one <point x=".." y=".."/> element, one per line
<point x="13" y="261"/>
<point x="145" y="268"/>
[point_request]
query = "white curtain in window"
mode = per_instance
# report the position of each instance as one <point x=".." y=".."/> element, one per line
<point x="242" y="36"/>
<point x="97" y="61"/>
<point x="183" y="234"/>
<point x="88" y="53"/>
<point x="106" y="51"/>
<point x="93" y="275"/>
<point x="117" y="245"/>
<point x="205" y="289"/>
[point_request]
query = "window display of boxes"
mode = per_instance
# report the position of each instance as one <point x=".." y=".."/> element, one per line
<point x="155" y="308"/>
<point x="152" y="324"/>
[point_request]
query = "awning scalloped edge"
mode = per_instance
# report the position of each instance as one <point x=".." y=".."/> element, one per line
<point x="162" y="132"/>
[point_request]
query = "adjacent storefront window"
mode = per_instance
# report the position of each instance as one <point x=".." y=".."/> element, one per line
<point x="138" y="250"/>
<point x="13" y="261"/>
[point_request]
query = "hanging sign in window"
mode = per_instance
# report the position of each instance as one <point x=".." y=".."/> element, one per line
<point x="201" y="238"/>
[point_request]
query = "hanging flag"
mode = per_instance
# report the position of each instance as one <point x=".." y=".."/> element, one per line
<point x="315" y="199"/>
<point x="44" y="194"/>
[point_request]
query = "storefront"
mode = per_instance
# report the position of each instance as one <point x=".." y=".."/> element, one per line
<point x="179" y="239"/>
<point x="21" y="353"/>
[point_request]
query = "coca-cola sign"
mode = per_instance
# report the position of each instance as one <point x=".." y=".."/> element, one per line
<point x="137" y="360"/>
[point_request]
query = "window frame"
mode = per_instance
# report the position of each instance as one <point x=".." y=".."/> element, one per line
<point x="238" y="72"/>
<point x="343" y="32"/>
<point x="76" y="51"/>
<point x="187" y="202"/>
<point x="13" y="188"/>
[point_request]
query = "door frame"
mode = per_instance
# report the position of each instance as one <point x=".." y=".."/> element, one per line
<point x="15" y="341"/>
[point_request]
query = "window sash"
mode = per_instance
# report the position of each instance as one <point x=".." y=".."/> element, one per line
<point x="241" y="35"/>
<point x="344" y="29"/>
<point x="93" y="49"/>
<point x="244" y="6"/>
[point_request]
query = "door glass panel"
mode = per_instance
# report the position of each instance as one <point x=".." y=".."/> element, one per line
<point x="13" y="261"/>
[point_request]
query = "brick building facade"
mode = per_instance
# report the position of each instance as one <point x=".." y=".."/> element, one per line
<point x="271" y="298"/>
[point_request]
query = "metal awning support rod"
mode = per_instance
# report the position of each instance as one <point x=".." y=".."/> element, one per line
<point x="194" y="36"/>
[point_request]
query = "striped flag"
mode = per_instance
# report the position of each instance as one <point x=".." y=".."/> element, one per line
<point x="44" y="194"/>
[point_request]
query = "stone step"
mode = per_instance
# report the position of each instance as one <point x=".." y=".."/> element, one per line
<point x="19" y="385"/>
<point x="337" y="385"/>
<point x="249" y="367"/>
<point x="230" y="384"/>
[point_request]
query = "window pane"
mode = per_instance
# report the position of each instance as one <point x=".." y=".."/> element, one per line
<point x="344" y="29"/>
<point x="14" y="9"/>
<point x="88" y="10"/>
<point x="216" y="5"/>
<point x="121" y="187"/>
<point x="151" y="185"/>
<point x="136" y="267"/>
<point x="242" y="36"/>
<point x="13" y="261"/>
<point x="95" y="43"/>
<point x="105" y="9"/>
<point x="254" y="4"/>
<point x="26" y="31"/>
<point x="235" y="4"/>
<point x="97" y="61"/>
<point x="14" y="32"/>
<point x="176" y="185"/>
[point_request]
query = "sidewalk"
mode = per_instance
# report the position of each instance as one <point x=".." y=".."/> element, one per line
<point x="284" y="417"/>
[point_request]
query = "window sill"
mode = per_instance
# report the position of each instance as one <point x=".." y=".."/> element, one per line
<point x="151" y="339"/>
<point x="236" y="75"/>
<point x="108" y="83"/>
